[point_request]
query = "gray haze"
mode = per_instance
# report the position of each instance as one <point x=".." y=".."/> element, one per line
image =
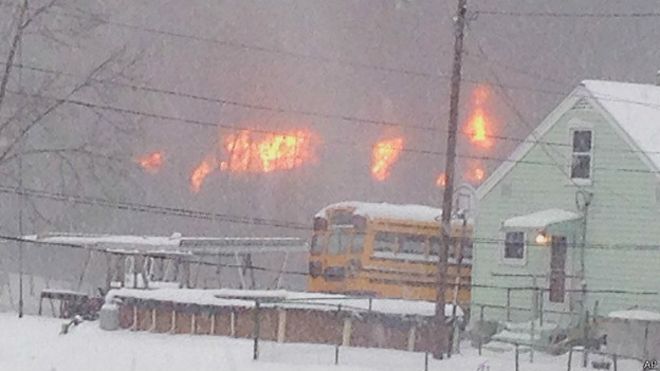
<point x="538" y="60"/>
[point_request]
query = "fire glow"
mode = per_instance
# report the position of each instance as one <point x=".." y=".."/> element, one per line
<point x="441" y="181"/>
<point x="201" y="171"/>
<point x="151" y="162"/>
<point x="385" y="153"/>
<point x="477" y="175"/>
<point x="250" y="151"/>
<point x="478" y="124"/>
<point x="264" y="153"/>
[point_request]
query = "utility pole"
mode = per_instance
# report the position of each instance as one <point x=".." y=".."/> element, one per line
<point x="20" y="234"/>
<point x="21" y="196"/>
<point x="441" y="330"/>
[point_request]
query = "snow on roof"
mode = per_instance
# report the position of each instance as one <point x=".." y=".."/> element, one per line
<point x="636" y="315"/>
<point x="636" y="107"/>
<point x="90" y="239"/>
<point x="417" y="213"/>
<point x="540" y="219"/>
<point x="282" y="298"/>
<point x="137" y="244"/>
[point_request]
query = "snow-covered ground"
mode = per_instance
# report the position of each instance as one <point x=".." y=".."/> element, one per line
<point x="34" y="344"/>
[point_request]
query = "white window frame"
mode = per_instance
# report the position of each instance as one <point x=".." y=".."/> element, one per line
<point x="581" y="127"/>
<point x="513" y="261"/>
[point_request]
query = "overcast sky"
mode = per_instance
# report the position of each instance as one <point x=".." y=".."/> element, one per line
<point x="378" y="60"/>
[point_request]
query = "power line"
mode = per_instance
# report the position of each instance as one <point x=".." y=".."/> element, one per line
<point x="238" y="44"/>
<point x="305" y="56"/>
<point x="352" y="144"/>
<point x="521" y="71"/>
<point x="136" y="112"/>
<point x="22" y="239"/>
<point x="222" y="101"/>
<point x="249" y="47"/>
<point x="147" y="208"/>
<point x="150" y="89"/>
<point x="566" y="14"/>
<point x="560" y="167"/>
<point x="236" y="219"/>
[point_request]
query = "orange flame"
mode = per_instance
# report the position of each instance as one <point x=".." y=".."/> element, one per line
<point x="479" y="122"/>
<point x="200" y="173"/>
<point x="384" y="154"/>
<point x="441" y="181"/>
<point x="271" y="153"/>
<point x="476" y="175"/>
<point x="479" y="174"/>
<point x="151" y="162"/>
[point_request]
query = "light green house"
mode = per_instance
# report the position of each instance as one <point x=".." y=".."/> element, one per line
<point x="597" y="152"/>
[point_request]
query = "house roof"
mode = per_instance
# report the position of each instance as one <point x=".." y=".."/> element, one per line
<point x="540" y="219"/>
<point x="636" y="107"/>
<point x="633" y="108"/>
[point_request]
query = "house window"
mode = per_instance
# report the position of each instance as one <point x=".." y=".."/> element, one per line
<point x="582" y="154"/>
<point x="514" y="245"/>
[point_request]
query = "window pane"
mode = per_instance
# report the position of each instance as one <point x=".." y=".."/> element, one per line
<point x="358" y="243"/>
<point x="435" y="246"/>
<point x="412" y="244"/>
<point x="385" y="241"/>
<point x="582" y="141"/>
<point x="463" y="248"/>
<point x="514" y="245"/>
<point x="454" y="246"/>
<point x="580" y="168"/>
<point x="341" y="217"/>
<point x="338" y="241"/>
<point x="468" y="245"/>
<point x="317" y="244"/>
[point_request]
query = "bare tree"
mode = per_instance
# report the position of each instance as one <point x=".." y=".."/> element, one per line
<point x="63" y="145"/>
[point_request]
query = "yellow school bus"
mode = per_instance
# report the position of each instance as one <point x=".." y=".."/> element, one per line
<point x="387" y="251"/>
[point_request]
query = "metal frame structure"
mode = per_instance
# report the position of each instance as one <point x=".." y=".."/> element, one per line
<point x="137" y="255"/>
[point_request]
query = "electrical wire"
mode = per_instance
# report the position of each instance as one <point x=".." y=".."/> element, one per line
<point x="506" y="13"/>
<point x="186" y="95"/>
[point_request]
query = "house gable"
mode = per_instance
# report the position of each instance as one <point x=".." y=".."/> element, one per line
<point x="576" y="96"/>
<point x="580" y="99"/>
<point x="536" y="178"/>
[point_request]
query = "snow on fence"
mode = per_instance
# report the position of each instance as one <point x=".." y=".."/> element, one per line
<point x="281" y="316"/>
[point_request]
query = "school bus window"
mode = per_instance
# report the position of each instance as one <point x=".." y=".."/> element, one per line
<point x="435" y="246"/>
<point x="386" y="257"/>
<point x="454" y="246"/>
<point x="317" y="244"/>
<point x="467" y="248"/>
<point x="342" y="217"/>
<point x="338" y="241"/>
<point x="412" y="244"/>
<point x="385" y="242"/>
<point x="358" y="242"/>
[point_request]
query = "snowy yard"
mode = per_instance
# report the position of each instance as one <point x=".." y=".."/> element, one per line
<point x="34" y="344"/>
